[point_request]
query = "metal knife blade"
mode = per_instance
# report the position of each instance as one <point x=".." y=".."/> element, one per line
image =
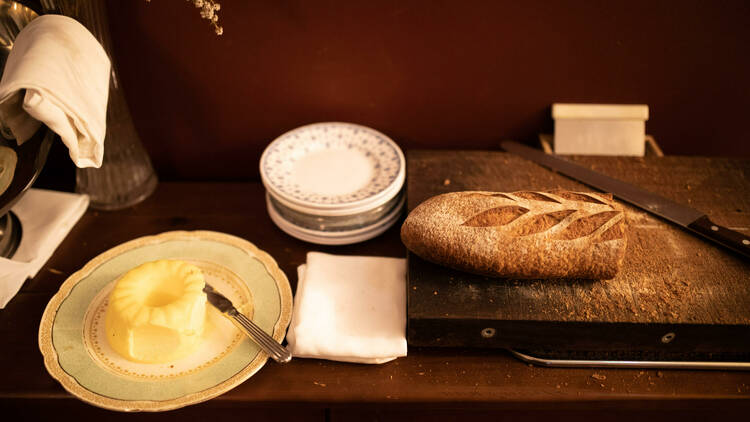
<point x="681" y="215"/>
<point x="218" y="300"/>
<point x="278" y="352"/>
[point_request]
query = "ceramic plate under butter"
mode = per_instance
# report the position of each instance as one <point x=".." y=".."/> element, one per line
<point x="77" y="354"/>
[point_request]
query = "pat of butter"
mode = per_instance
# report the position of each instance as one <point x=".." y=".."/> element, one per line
<point x="157" y="311"/>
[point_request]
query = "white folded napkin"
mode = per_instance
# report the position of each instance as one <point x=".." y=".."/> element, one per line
<point x="349" y="308"/>
<point x="58" y="73"/>
<point x="46" y="218"/>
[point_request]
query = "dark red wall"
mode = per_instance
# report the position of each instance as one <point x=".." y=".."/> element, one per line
<point x="431" y="74"/>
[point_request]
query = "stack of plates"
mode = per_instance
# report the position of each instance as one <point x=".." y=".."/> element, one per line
<point x="333" y="183"/>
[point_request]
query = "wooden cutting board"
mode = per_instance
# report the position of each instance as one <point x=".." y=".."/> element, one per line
<point x="676" y="292"/>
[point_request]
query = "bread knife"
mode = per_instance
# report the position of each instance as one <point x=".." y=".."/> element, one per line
<point x="278" y="352"/>
<point x="679" y="214"/>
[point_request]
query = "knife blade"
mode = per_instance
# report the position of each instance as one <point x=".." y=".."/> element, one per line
<point x="674" y="212"/>
<point x="278" y="352"/>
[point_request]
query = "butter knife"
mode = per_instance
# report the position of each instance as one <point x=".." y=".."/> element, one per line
<point x="278" y="352"/>
<point x="679" y="214"/>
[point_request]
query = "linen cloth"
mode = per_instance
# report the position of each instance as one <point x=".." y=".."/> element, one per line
<point x="58" y="73"/>
<point x="46" y="218"/>
<point x="349" y="308"/>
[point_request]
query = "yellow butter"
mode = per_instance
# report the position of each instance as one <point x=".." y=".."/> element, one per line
<point x="157" y="311"/>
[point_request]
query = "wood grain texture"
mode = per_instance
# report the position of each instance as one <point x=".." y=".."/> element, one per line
<point x="485" y="380"/>
<point x="669" y="278"/>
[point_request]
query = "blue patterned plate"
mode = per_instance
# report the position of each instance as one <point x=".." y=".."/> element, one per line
<point x="333" y="168"/>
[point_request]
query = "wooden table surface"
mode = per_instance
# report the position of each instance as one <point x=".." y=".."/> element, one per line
<point x="671" y="280"/>
<point x="440" y="384"/>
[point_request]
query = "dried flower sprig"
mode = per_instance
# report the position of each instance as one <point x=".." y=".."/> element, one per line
<point x="209" y="10"/>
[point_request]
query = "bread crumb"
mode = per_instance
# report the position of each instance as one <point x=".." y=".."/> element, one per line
<point x="600" y="377"/>
<point x="446" y="182"/>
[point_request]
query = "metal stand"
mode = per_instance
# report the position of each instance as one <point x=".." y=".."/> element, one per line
<point x="644" y="364"/>
<point x="10" y="234"/>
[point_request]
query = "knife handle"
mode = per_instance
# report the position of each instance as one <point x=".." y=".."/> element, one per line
<point x="278" y="352"/>
<point x="731" y="239"/>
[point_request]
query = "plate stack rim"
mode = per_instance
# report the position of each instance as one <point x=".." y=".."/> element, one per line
<point x="331" y="169"/>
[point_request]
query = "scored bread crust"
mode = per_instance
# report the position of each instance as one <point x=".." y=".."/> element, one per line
<point x="525" y="234"/>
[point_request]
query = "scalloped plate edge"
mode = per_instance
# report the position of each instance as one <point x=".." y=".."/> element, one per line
<point x="72" y="386"/>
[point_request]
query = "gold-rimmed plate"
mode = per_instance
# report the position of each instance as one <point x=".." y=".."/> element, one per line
<point x="71" y="334"/>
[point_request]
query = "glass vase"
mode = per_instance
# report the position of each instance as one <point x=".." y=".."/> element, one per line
<point x="126" y="176"/>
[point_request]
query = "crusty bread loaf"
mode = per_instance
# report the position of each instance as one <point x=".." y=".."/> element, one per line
<point x="521" y="234"/>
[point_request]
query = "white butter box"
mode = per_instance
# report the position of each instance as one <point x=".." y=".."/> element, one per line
<point x="600" y="129"/>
